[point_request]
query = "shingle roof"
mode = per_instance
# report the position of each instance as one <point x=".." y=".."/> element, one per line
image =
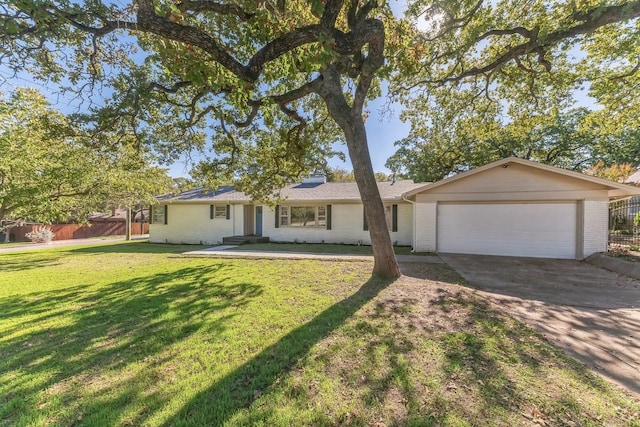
<point x="222" y="194"/>
<point x="344" y="191"/>
<point x="633" y="179"/>
<point x="329" y="191"/>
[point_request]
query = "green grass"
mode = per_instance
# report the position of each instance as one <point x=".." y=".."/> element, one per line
<point x="135" y="334"/>
<point x="323" y="248"/>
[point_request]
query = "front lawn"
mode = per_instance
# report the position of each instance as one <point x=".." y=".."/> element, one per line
<point x="125" y="334"/>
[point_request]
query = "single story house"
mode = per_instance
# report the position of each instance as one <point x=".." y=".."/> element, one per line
<point x="511" y="207"/>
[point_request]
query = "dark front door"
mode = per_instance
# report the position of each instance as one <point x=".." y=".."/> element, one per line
<point x="259" y="220"/>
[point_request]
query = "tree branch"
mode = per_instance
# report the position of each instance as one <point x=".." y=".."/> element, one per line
<point x="149" y="21"/>
<point x="630" y="73"/>
<point x="212" y="6"/>
<point x="589" y="22"/>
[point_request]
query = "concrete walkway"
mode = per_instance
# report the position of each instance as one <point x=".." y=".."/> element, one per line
<point x="228" y="251"/>
<point x="591" y="313"/>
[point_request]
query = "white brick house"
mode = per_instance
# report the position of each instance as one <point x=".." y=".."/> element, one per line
<point x="511" y="207"/>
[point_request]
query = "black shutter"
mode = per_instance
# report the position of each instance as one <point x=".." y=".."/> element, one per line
<point x="277" y="210"/>
<point x="328" y="217"/>
<point x="166" y="214"/>
<point x="394" y="218"/>
<point x="365" y="225"/>
<point x="228" y="211"/>
<point x="150" y="214"/>
<point x="211" y="211"/>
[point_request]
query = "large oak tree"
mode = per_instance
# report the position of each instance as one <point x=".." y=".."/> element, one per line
<point x="275" y="78"/>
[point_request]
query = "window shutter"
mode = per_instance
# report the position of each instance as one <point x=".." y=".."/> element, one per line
<point x="277" y="210"/>
<point x="210" y="211"/>
<point x="166" y="214"/>
<point x="150" y="214"/>
<point x="228" y="211"/>
<point x="365" y="225"/>
<point x="394" y="218"/>
<point x="328" y="217"/>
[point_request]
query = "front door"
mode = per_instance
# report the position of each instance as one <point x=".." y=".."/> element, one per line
<point x="249" y="220"/>
<point x="258" y="220"/>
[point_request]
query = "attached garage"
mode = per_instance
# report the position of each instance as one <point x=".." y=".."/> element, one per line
<point x="532" y="229"/>
<point x="515" y="207"/>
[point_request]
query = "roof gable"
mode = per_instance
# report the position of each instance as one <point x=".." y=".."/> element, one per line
<point x="529" y="174"/>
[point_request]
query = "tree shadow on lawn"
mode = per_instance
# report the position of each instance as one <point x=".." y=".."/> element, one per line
<point x="64" y="336"/>
<point x="22" y="261"/>
<point x="482" y="345"/>
<point x="143" y="247"/>
<point x="236" y="391"/>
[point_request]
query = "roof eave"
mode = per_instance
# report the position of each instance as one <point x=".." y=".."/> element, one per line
<point x="624" y="192"/>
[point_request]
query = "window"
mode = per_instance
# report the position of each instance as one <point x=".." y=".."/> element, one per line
<point x="303" y="216"/>
<point x="159" y="215"/>
<point x="321" y="216"/>
<point x="220" y="211"/>
<point x="284" y="215"/>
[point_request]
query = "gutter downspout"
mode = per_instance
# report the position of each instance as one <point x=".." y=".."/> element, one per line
<point x="413" y="231"/>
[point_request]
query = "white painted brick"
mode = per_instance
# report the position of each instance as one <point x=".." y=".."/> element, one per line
<point x="596" y="224"/>
<point x="190" y="223"/>
<point x="425" y="224"/>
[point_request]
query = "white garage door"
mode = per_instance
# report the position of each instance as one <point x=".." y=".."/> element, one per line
<point x="542" y="230"/>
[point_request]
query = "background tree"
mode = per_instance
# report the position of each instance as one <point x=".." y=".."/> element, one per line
<point x="181" y="184"/>
<point x="569" y="139"/>
<point x="342" y="175"/>
<point x="484" y="80"/>
<point x="616" y="172"/>
<point x="49" y="170"/>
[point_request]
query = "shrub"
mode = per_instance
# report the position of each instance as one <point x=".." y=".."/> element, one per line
<point x="636" y="219"/>
<point x="41" y="235"/>
<point x="620" y="232"/>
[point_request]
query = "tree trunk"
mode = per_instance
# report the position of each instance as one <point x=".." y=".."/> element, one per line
<point x="128" y="225"/>
<point x="352" y="124"/>
<point x="385" y="262"/>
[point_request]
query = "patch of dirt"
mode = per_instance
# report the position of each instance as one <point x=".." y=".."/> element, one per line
<point x="427" y="347"/>
<point x="624" y="252"/>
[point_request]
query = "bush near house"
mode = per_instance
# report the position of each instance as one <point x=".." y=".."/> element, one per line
<point x="40" y="234"/>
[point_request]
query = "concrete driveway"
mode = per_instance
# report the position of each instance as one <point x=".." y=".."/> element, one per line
<point x="591" y="313"/>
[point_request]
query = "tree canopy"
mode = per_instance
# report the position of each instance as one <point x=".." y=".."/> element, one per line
<point x="571" y="139"/>
<point x="493" y="79"/>
<point x="279" y="81"/>
<point x="50" y="171"/>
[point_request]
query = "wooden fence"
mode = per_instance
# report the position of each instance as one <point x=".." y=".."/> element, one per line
<point x="77" y="231"/>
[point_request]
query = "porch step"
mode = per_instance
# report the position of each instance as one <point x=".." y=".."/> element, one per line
<point x="239" y="240"/>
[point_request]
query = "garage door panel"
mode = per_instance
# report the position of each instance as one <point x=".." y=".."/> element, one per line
<point x="527" y="229"/>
